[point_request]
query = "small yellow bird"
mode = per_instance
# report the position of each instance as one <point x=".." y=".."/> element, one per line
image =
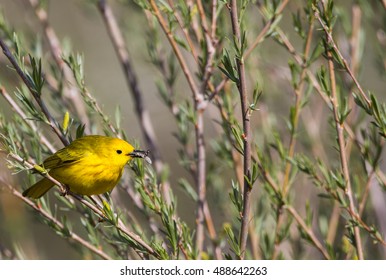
<point x="88" y="166"/>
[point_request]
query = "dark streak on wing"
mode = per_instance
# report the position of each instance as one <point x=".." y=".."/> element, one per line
<point x="69" y="161"/>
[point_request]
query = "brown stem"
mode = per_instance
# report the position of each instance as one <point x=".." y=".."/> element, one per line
<point x="208" y="68"/>
<point x="347" y="67"/>
<point x="214" y="18"/>
<point x="200" y="181"/>
<point x="242" y="87"/>
<point x="342" y="149"/>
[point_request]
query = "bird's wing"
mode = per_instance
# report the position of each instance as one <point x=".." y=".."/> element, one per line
<point x="65" y="156"/>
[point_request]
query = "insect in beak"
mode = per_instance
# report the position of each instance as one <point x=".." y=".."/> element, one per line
<point x="141" y="154"/>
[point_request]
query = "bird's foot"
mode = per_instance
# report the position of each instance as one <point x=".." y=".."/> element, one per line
<point x="65" y="190"/>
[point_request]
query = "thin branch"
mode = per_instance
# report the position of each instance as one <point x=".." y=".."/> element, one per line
<point x="192" y="170"/>
<point x="210" y="49"/>
<point x="347" y="67"/>
<point x="207" y="74"/>
<point x="299" y="60"/>
<point x="200" y="181"/>
<point x="194" y="21"/>
<point x="354" y="55"/>
<point x="342" y="149"/>
<point x="242" y="87"/>
<point x="355" y="216"/>
<point x="275" y="188"/>
<point x="366" y="227"/>
<point x="214" y="18"/>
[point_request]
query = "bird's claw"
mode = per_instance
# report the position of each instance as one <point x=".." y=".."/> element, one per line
<point x="65" y="190"/>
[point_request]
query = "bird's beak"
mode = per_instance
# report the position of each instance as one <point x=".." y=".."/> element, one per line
<point x="141" y="154"/>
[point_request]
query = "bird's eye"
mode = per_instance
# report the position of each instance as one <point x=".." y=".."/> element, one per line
<point x="119" y="152"/>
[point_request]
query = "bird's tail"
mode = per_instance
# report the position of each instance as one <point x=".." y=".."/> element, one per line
<point x="39" y="189"/>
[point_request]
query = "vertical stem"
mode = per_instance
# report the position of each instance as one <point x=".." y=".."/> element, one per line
<point x="214" y="18"/>
<point x="200" y="181"/>
<point x="210" y="40"/>
<point x="242" y="87"/>
<point x="342" y="151"/>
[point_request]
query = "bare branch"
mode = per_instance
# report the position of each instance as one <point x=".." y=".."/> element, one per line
<point x="242" y="87"/>
<point x="342" y="150"/>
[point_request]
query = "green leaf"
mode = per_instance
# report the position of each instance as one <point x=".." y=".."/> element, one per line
<point x="232" y="240"/>
<point x="239" y="145"/>
<point x="229" y="68"/>
<point x="236" y="197"/>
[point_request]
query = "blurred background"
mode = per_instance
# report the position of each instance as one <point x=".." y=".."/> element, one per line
<point x="79" y="24"/>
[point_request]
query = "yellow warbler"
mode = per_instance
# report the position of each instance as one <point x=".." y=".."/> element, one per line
<point x="89" y="165"/>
